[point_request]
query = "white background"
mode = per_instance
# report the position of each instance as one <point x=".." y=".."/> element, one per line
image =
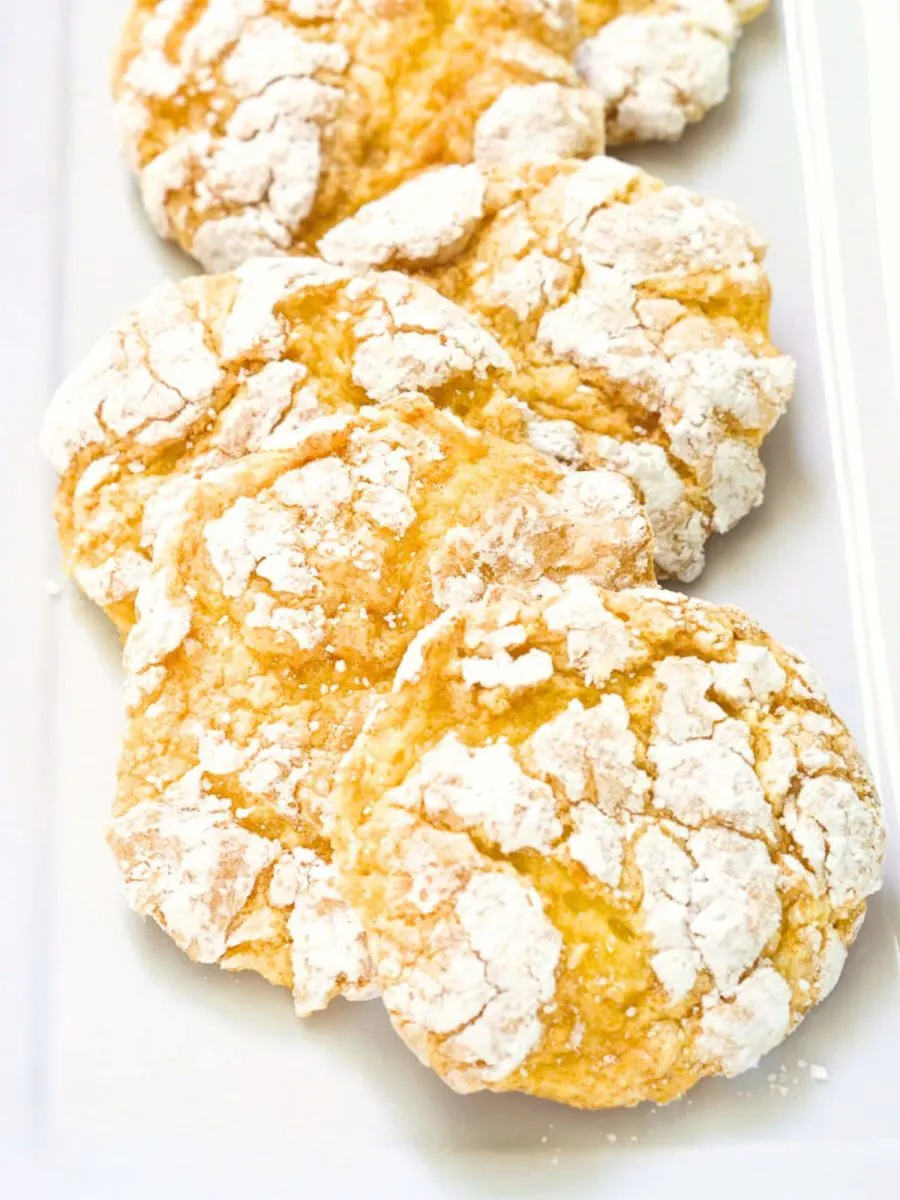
<point x="127" y="1071"/>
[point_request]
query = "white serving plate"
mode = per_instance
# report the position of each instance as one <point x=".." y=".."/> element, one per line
<point x="127" y="1071"/>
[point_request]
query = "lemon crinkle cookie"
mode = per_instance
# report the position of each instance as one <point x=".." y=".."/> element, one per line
<point x="279" y="603"/>
<point x="604" y="844"/>
<point x="252" y="124"/>
<point x="214" y="367"/>
<point x="659" y="65"/>
<point x="637" y="316"/>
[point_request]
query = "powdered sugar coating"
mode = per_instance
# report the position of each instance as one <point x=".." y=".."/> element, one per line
<point x="414" y="340"/>
<point x="599" y="503"/>
<point x="153" y="368"/>
<point x="453" y="782"/>
<point x="329" y="953"/>
<point x="539" y="119"/>
<point x="498" y="952"/>
<point x="248" y="121"/>
<point x="699" y="914"/>
<point x="597" y="643"/>
<point x="834" y="833"/>
<point x="662" y="66"/>
<point x="188" y="866"/>
<point x="635" y="314"/>
<point x="423" y="220"/>
<point x="278" y="606"/>
<point x="739" y="1032"/>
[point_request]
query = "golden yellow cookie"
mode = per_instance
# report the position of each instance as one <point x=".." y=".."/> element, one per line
<point x="604" y="844"/>
<point x="659" y="65"/>
<point x="254" y="123"/>
<point x="211" y="368"/>
<point x="636" y="314"/>
<point x="277" y="609"/>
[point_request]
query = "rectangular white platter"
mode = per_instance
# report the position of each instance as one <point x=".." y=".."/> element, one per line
<point x="125" y="1070"/>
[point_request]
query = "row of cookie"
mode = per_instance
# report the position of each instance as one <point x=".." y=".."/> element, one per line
<point x="258" y="456"/>
<point x="254" y="125"/>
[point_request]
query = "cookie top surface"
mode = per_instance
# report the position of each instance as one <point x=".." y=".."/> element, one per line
<point x="214" y="367"/>
<point x="659" y="65"/>
<point x="254" y="123"/>
<point x="280" y="601"/>
<point x="636" y="315"/>
<point x="604" y="844"/>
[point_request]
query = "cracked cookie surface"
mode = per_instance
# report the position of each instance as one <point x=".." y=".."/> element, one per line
<point x="214" y="367"/>
<point x="636" y="316"/>
<point x="604" y="844"/>
<point x="254" y="123"/>
<point x="659" y="65"/>
<point x="279" y="604"/>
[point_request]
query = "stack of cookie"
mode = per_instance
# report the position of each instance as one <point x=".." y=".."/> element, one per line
<point x="380" y="520"/>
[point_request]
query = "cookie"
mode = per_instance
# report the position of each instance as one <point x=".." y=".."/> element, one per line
<point x="659" y="65"/>
<point x="636" y="314"/>
<point x="211" y="368"/>
<point x="604" y="844"/>
<point x="253" y="124"/>
<point x="279" y="605"/>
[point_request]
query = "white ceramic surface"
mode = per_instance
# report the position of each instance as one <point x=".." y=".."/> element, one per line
<point x="127" y="1071"/>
